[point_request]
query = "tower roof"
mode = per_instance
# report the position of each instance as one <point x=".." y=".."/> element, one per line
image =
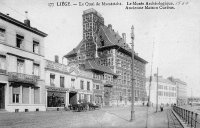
<point x="91" y="10"/>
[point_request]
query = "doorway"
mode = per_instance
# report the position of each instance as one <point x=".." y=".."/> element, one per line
<point x="107" y="95"/>
<point x="72" y="97"/>
<point x="2" y="96"/>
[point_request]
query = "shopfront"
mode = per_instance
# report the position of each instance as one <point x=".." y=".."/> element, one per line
<point x="56" y="97"/>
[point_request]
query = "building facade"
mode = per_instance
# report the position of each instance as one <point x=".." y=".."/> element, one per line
<point x="181" y="90"/>
<point x="66" y="85"/>
<point x="21" y="66"/>
<point x="167" y="91"/>
<point x="109" y="56"/>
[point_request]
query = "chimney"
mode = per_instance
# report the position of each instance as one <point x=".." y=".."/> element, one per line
<point x="56" y="58"/>
<point x="124" y="37"/>
<point x="27" y="21"/>
<point x="109" y="26"/>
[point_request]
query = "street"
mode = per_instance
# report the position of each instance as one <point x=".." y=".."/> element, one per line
<point x="103" y="118"/>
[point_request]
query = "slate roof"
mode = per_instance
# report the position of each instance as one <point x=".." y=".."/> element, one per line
<point x="93" y="65"/>
<point x="75" y="50"/>
<point x="111" y="39"/>
<point x="114" y="39"/>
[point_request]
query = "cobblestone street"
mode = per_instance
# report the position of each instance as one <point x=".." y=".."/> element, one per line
<point x="103" y="118"/>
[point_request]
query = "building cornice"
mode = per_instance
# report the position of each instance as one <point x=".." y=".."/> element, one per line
<point x="22" y="25"/>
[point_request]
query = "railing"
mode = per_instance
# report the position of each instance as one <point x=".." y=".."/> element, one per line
<point x="190" y="117"/>
<point x="24" y="78"/>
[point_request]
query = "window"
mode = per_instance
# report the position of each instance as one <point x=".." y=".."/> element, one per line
<point x="25" y="95"/>
<point x="2" y="35"/>
<point x="20" y="66"/>
<point x="36" y="68"/>
<point x="36" y="47"/>
<point x="16" y="92"/>
<point x="88" y="85"/>
<point x="97" y="87"/>
<point x="62" y="81"/>
<point x="52" y="78"/>
<point x="2" y="62"/>
<point x="19" y="41"/>
<point x="81" y="84"/>
<point x="36" y="96"/>
<point x="72" y="82"/>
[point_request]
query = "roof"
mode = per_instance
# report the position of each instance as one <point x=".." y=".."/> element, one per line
<point x="160" y="79"/>
<point x="114" y="39"/>
<point x="93" y="65"/>
<point x="22" y="25"/>
<point x="75" y="50"/>
<point x="180" y="81"/>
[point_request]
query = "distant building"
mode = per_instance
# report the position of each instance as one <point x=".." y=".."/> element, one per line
<point x="181" y="91"/>
<point x="107" y="54"/>
<point x="167" y="91"/>
<point x="22" y="85"/>
<point x="66" y="84"/>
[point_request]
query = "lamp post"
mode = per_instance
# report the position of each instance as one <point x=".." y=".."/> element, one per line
<point x="132" y="87"/>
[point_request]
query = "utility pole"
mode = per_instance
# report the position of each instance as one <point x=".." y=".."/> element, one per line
<point x="150" y="79"/>
<point x="191" y="97"/>
<point x="133" y="77"/>
<point x="157" y="93"/>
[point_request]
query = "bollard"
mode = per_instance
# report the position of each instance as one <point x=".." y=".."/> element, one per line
<point x="195" y="123"/>
<point x="186" y="116"/>
<point x="191" y="119"/>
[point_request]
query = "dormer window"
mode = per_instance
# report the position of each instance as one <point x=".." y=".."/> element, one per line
<point x="19" y="41"/>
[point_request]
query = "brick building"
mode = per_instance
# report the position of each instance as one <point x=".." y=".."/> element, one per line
<point x="104" y="52"/>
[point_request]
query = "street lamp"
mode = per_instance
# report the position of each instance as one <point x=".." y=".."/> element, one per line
<point x="132" y="87"/>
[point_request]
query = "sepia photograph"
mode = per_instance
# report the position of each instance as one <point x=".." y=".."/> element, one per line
<point x="99" y="64"/>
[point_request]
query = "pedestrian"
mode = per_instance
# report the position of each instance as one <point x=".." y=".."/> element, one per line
<point x="161" y="107"/>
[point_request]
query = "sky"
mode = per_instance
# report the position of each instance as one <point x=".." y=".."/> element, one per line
<point x="172" y="36"/>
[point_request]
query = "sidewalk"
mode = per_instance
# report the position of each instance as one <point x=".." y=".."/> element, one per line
<point x="103" y="118"/>
<point x="121" y="120"/>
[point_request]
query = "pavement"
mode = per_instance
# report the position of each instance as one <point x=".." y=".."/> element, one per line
<point x="104" y="118"/>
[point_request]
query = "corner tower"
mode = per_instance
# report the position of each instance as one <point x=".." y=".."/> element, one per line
<point x="91" y="23"/>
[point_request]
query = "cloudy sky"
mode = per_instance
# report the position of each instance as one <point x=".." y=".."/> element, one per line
<point x="175" y="33"/>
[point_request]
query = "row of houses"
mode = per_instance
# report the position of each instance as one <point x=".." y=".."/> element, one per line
<point x="98" y="69"/>
<point x="166" y="91"/>
<point x="29" y="82"/>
